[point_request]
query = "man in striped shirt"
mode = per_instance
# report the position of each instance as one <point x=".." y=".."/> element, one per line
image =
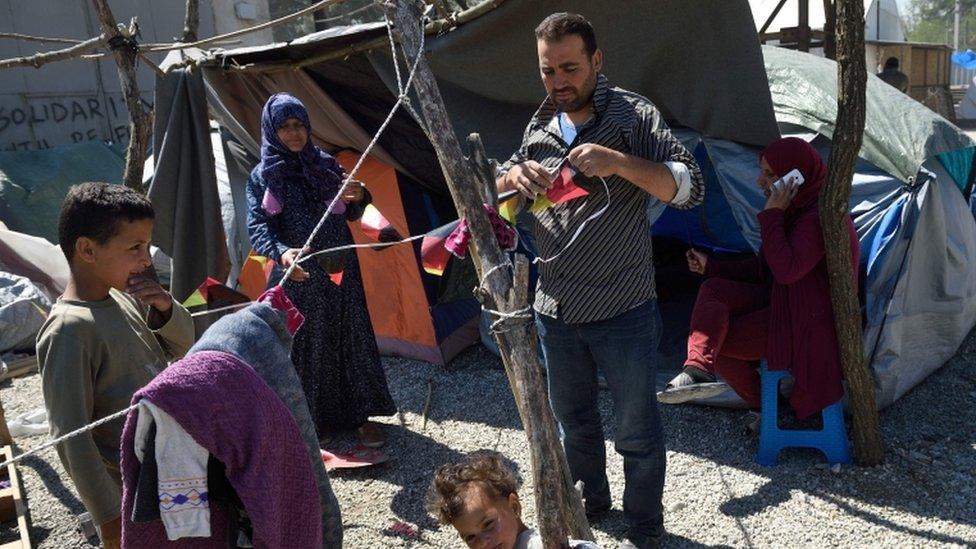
<point x="595" y="301"/>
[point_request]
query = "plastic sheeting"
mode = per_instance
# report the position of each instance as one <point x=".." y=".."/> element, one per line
<point x="33" y="183"/>
<point x="900" y="134"/>
<point x="23" y="309"/>
<point x="35" y="258"/>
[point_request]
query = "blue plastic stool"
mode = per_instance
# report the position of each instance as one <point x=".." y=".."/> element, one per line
<point x="831" y="439"/>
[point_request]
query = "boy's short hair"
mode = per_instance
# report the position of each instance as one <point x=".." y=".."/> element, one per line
<point x="891" y="63"/>
<point x="445" y="498"/>
<point x="560" y="25"/>
<point x="94" y="210"/>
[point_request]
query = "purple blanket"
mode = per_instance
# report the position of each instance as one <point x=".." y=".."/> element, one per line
<point x="223" y="404"/>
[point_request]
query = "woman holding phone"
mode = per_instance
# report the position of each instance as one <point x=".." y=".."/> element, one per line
<point x="775" y="306"/>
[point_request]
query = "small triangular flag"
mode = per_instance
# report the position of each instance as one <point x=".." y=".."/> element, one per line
<point x="195" y="300"/>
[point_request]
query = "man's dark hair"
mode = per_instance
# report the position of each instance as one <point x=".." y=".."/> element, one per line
<point x="94" y="210"/>
<point x="560" y="25"/>
<point x="891" y="63"/>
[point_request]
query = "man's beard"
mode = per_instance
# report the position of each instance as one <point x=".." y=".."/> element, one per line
<point x="583" y="97"/>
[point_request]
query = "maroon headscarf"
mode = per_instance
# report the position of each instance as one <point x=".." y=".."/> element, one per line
<point x="785" y="154"/>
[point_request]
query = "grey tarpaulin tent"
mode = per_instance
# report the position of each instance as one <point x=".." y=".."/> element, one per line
<point x="702" y="65"/>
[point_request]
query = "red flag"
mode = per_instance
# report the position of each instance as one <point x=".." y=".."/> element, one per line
<point x="377" y="227"/>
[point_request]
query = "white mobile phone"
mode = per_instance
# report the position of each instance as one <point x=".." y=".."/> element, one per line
<point x="794" y="177"/>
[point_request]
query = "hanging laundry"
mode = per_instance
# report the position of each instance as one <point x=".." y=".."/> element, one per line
<point x="457" y="242"/>
<point x="259" y="336"/>
<point x="223" y="404"/>
<point x="181" y="473"/>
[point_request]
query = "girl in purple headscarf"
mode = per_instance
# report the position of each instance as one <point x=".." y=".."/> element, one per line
<point x="335" y="350"/>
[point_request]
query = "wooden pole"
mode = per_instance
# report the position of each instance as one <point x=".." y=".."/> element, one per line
<point x="558" y="506"/>
<point x="191" y="22"/>
<point x="121" y="41"/>
<point x="830" y="29"/>
<point x="834" y="212"/>
<point x="43" y="58"/>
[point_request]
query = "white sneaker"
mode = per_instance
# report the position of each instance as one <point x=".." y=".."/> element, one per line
<point x="684" y="388"/>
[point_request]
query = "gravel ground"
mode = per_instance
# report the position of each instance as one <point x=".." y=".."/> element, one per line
<point x="715" y="494"/>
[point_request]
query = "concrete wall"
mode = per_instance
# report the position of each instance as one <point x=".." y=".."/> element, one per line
<point x="81" y="100"/>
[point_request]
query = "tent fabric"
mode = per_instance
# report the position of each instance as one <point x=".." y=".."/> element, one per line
<point x="647" y="47"/>
<point x="244" y="96"/>
<point x="395" y="295"/>
<point x="33" y="183"/>
<point x="34" y="258"/>
<point x="899" y="135"/>
<point x="183" y="192"/>
<point x="649" y="50"/>
<point x="929" y="277"/>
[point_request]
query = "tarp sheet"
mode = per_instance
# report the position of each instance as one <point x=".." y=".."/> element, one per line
<point x="188" y="225"/>
<point x="35" y="258"/>
<point x="899" y="135"/>
<point x="699" y="62"/>
<point x="23" y="309"/>
<point x="33" y="183"/>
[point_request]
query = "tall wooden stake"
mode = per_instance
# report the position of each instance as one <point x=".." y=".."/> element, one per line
<point x="848" y="130"/>
<point x="830" y="29"/>
<point x="191" y="22"/>
<point x="558" y="506"/>
<point x="125" y="59"/>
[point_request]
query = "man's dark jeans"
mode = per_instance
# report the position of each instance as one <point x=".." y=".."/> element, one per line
<point x="624" y="349"/>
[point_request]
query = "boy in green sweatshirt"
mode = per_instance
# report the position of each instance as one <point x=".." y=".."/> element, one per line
<point x="108" y="335"/>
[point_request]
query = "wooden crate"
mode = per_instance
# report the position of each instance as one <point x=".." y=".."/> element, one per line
<point x="12" y="506"/>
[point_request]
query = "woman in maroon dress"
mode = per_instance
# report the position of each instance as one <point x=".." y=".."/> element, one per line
<point x="775" y="306"/>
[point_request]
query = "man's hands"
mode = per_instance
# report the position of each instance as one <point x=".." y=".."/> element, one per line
<point x="596" y="161"/>
<point x="529" y="178"/>
<point x="287" y="258"/>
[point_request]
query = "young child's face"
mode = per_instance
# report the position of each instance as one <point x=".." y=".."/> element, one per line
<point x="486" y="522"/>
<point x="124" y="255"/>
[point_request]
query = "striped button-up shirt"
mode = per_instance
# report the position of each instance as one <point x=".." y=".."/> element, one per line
<point x="608" y="269"/>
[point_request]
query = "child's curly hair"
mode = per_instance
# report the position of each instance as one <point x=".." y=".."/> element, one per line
<point x="446" y="493"/>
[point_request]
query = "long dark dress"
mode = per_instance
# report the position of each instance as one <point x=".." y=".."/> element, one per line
<point x="335" y="350"/>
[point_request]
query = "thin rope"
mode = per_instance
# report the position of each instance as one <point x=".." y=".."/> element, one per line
<point x="582" y="226"/>
<point x="221" y="309"/>
<point x="524" y="314"/>
<point x="396" y="65"/>
<point x="495" y="268"/>
<point x="359" y="163"/>
<point x="379" y="245"/>
<point x="72" y="434"/>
